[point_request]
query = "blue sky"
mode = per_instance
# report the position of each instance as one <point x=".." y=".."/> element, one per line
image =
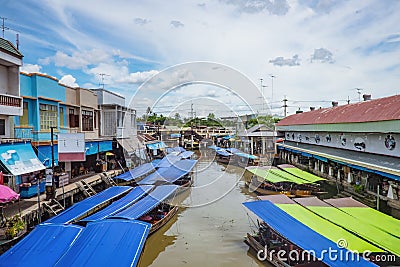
<point x="313" y="52"/>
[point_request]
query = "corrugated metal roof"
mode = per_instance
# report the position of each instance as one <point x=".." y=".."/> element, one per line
<point x="9" y="48"/>
<point x="382" y="109"/>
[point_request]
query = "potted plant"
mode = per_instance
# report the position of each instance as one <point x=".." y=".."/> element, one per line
<point x="15" y="226"/>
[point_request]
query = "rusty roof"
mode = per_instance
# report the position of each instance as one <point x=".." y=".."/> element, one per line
<point x="382" y="109"/>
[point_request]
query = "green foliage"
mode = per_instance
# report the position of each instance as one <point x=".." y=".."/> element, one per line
<point x="268" y="121"/>
<point x="358" y="188"/>
<point x="14" y="226"/>
<point x="202" y="122"/>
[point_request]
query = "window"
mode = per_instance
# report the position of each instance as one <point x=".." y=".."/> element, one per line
<point x="87" y="120"/>
<point x="2" y="126"/>
<point x="95" y="119"/>
<point x="48" y="116"/>
<point x="24" y="121"/>
<point x="73" y="119"/>
<point x="61" y="117"/>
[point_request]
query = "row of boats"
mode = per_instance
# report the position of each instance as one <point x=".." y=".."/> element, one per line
<point x="98" y="230"/>
<point x="313" y="232"/>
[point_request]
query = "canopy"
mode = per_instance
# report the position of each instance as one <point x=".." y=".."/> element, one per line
<point x="245" y="155"/>
<point x="301" y="235"/>
<point x="300" y="173"/>
<point x="107" y="243"/>
<point x="170" y="174"/>
<point x="136" y="172"/>
<point x="19" y="158"/>
<point x="320" y="225"/>
<point x="80" y="209"/>
<point x="120" y="204"/>
<point x="175" y="149"/>
<point x="41" y="247"/>
<point x="168" y="160"/>
<point x="146" y="204"/>
<point x="223" y="152"/>
<point x="186" y="154"/>
<point x="375" y="235"/>
<point x="156" y="145"/>
<point x="7" y="194"/>
<point x="367" y="215"/>
<point x="273" y="175"/>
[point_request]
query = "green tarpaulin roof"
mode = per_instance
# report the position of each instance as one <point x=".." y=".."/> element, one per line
<point x="368" y="215"/>
<point x="302" y="174"/>
<point x="375" y="235"/>
<point x="275" y="176"/>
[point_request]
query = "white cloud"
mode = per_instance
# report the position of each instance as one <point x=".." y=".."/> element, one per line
<point x="177" y="23"/>
<point x="69" y="80"/>
<point x="322" y="55"/>
<point x="137" y="77"/>
<point x="30" y="68"/>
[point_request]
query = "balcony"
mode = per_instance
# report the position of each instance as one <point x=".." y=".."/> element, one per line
<point x="10" y="105"/>
<point x="23" y="132"/>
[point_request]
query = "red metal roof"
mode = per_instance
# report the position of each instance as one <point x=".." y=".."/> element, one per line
<point x="382" y="109"/>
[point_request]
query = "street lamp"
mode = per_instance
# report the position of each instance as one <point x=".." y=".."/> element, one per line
<point x="262" y="93"/>
<point x="272" y="88"/>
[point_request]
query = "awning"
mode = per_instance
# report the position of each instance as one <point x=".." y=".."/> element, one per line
<point x="19" y="158"/>
<point x="146" y="204"/>
<point x="120" y="204"/>
<point x="168" y="160"/>
<point x="105" y="243"/>
<point x="45" y="155"/>
<point x="157" y="145"/>
<point x="300" y="235"/>
<point x="170" y="174"/>
<point x="136" y="172"/>
<point x="81" y="208"/>
<point x="383" y="165"/>
<point x="129" y="144"/>
<point x="42" y="247"/>
<point x="186" y="154"/>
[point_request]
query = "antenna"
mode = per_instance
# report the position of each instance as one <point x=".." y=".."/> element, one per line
<point x="3" y="26"/>
<point x="102" y="75"/>
<point x="359" y="93"/>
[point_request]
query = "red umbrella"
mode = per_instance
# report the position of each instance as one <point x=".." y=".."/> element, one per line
<point x="7" y="194"/>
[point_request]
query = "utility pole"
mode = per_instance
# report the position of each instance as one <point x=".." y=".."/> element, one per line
<point x="272" y="89"/>
<point x="263" y="94"/>
<point x="284" y="105"/>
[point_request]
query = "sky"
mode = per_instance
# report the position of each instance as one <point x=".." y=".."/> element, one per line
<point x="311" y="52"/>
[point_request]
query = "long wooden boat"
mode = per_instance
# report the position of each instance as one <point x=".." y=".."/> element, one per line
<point x="264" y="188"/>
<point x="267" y="243"/>
<point x="159" y="216"/>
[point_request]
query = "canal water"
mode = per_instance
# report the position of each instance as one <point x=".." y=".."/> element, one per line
<point x="211" y="224"/>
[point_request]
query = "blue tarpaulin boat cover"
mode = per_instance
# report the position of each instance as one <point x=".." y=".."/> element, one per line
<point x="186" y="154"/>
<point x="223" y="152"/>
<point x="120" y="204"/>
<point x="146" y="204"/>
<point x="245" y="155"/>
<point x="107" y="243"/>
<point x="156" y="145"/>
<point x="170" y="174"/>
<point x="233" y="150"/>
<point x="41" y="247"/>
<point x="302" y="236"/>
<point x="81" y="208"/>
<point x="136" y="172"/>
<point x="175" y="149"/>
<point x="168" y="160"/>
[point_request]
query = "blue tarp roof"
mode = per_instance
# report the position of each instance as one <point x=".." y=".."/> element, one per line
<point x="223" y="152"/>
<point x="107" y="243"/>
<point x="175" y="149"/>
<point x="245" y="155"/>
<point x="156" y="145"/>
<point x="146" y="204"/>
<point x="81" y="208"/>
<point x="136" y="172"/>
<point x="120" y="204"/>
<point x="168" y="160"/>
<point x="186" y="154"/>
<point x="233" y="150"/>
<point x="170" y="174"/>
<point x="41" y="247"/>
<point x="301" y="235"/>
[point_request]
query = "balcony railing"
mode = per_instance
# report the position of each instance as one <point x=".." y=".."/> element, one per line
<point x="10" y="105"/>
<point x="23" y="133"/>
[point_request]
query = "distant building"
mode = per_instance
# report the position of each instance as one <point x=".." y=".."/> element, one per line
<point x="10" y="100"/>
<point x="355" y="144"/>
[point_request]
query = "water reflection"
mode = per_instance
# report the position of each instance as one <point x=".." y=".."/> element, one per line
<point x="211" y="229"/>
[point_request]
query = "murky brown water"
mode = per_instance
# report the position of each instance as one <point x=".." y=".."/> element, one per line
<point x="210" y="227"/>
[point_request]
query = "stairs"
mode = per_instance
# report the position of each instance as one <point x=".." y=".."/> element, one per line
<point x="86" y="189"/>
<point x="107" y="179"/>
<point x="53" y="207"/>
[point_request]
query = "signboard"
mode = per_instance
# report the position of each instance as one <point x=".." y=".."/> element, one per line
<point x="71" y="147"/>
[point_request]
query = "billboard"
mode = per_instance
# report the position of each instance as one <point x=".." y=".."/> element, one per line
<point x="71" y="147"/>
